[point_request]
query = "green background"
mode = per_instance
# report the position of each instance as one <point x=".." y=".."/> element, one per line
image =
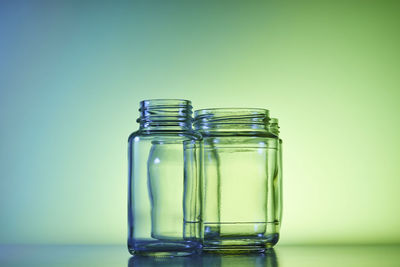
<point x="72" y="74"/>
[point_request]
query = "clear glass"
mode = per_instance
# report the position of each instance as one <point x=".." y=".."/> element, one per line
<point x="273" y="127"/>
<point x="163" y="197"/>
<point x="239" y="162"/>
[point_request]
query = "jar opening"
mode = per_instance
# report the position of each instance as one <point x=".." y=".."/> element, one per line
<point x="164" y="103"/>
<point x="165" y="113"/>
<point x="232" y="111"/>
<point x="215" y="114"/>
<point x="217" y="117"/>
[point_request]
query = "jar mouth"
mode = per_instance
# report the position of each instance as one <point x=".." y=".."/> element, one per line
<point x="232" y="111"/>
<point x="205" y="118"/>
<point x="164" y="103"/>
<point x="168" y="113"/>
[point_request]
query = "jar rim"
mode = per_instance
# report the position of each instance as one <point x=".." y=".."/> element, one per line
<point x="165" y="102"/>
<point x="231" y="111"/>
<point x="229" y="118"/>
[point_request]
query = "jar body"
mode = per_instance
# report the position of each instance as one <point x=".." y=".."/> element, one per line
<point x="163" y="189"/>
<point x="273" y="127"/>
<point x="163" y="199"/>
<point x="238" y="202"/>
<point x="278" y="188"/>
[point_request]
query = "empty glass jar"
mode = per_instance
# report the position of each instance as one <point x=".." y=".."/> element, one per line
<point x="163" y="198"/>
<point x="273" y="127"/>
<point x="239" y="164"/>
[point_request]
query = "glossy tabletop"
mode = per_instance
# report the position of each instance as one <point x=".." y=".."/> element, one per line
<point x="282" y="256"/>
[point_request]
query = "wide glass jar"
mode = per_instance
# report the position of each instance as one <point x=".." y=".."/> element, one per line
<point x="163" y="197"/>
<point x="239" y="163"/>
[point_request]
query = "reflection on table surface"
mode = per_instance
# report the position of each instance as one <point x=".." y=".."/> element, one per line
<point x="282" y="256"/>
<point x="267" y="259"/>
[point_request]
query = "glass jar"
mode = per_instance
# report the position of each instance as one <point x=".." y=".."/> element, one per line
<point x="274" y="129"/>
<point x="163" y="197"/>
<point x="239" y="162"/>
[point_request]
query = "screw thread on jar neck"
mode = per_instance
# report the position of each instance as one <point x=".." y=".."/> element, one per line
<point x="165" y="114"/>
<point x="273" y="126"/>
<point x="232" y="119"/>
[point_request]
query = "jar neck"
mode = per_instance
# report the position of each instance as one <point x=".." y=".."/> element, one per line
<point x="232" y="120"/>
<point x="273" y="126"/>
<point x="165" y="114"/>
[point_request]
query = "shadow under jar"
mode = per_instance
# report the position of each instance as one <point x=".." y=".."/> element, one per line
<point x="239" y="163"/>
<point x="163" y="197"/>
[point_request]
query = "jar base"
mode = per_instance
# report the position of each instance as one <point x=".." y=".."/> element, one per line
<point x="238" y="246"/>
<point x="234" y="249"/>
<point x="158" y="248"/>
<point x="239" y="237"/>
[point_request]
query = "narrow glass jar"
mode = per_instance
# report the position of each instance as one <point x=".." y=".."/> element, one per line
<point x="163" y="189"/>
<point x="273" y="127"/>
<point x="238" y="159"/>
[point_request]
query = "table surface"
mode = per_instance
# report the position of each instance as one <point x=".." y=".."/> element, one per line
<point x="282" y="256"/>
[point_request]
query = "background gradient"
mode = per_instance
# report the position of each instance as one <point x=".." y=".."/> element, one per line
<point x="73" y="72"/>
